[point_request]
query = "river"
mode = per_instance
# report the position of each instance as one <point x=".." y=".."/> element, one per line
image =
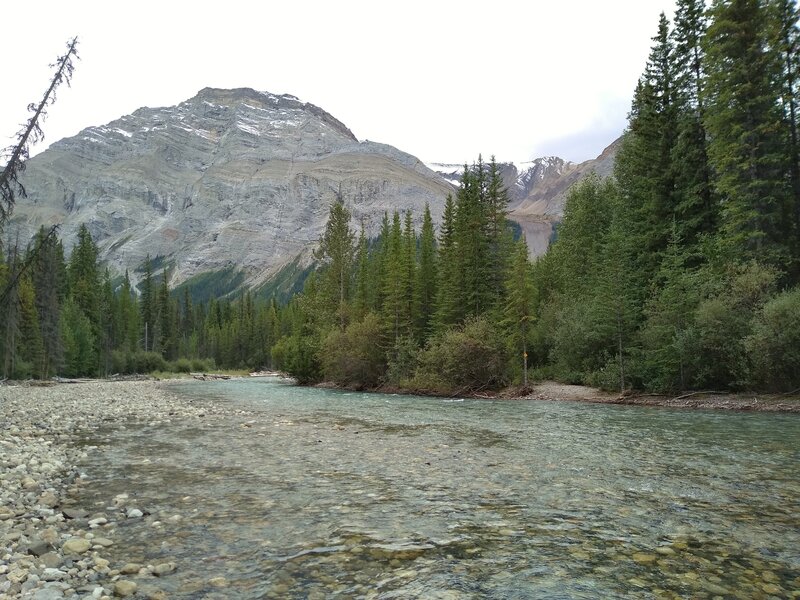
<point x="310" y="493"/>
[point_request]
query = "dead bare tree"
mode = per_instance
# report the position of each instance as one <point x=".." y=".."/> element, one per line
<point x="31" y="132"/>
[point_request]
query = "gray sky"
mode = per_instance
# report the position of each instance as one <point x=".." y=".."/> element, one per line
<point x="442" y="80"/>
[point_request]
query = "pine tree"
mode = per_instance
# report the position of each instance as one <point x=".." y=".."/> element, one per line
<point x="696" y="208"/>
<point x="498" y="235"/>
<point x="128" y="317"/>
<point x="409" y="249"/>
<point x="48" y="274"/>
<point x="644" y="166"/>
<point x="84" y="278"/>
<point x="31" y="132"/>
<point x="426" y="277"/>
<point x="396" y="314"/>
<point x="745" y="125"/>
<point x="147" y="306"/>
<point x="666" y="332"/>
<point x="787" y="43"/>
<point x="362" y="299"/>
<point x="518" y="312"/>
<point x="471" y="248"/>
<point x="12" y="315"/>
<point x="448" y="309"/>
<point x="336" y="251"/>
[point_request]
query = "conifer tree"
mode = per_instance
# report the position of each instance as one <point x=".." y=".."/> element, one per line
<point x="336" y="251"/>
<point x="426" y="276"/>
<point x="787" y="43"/>
<point x="644" y="166"/>
<point x="147" y="306"/>
<point x="499" y="239"/>
<point x="745" y="125"/>
<point x="48" y="274"/>
<point x="518" y="312"/>
<point x="695" y="204"/>
<point x="471" y="242"/>
<point x="362" y="298"/>
<point x="30" y="361"/>
<point x="409" y="249"/>
<point x="448" y="309"/>
<point x="396" y="319"/>
<point x="128" y="316"/>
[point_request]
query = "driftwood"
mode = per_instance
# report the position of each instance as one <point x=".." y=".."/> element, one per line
<point x="690" y="394"/>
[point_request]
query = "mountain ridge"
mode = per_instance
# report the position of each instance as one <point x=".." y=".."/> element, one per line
<point x="243" y="179"/>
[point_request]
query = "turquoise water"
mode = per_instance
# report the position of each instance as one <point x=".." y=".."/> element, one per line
<point x="316" y="493"/>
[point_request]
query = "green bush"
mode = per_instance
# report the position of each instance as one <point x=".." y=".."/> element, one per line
<point x="353" y="357"/>
<point x="147" y="362"/>
<point x="470" y="358"/>
<point x="181" y="365"/>
<point x="202" y="365"/>
<point x="774" y="345"/>
<point x="120" y="361"/>
<point x="403" y="360"/>
<point x="297" y="355"/>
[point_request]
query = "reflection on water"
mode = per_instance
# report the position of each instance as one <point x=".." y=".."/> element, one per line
<point x="317" y="493"/>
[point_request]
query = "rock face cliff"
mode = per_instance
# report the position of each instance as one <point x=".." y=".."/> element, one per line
<point x="538" y="189"/>
<point x="242" y="181"/>
<point x="228" y="179"/>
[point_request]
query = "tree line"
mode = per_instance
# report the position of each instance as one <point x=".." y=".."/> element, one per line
<point x="407" y="308"/>
<point x="682" y="271"/>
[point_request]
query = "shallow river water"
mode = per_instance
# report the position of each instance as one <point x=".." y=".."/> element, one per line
<point x="318" y="493"/>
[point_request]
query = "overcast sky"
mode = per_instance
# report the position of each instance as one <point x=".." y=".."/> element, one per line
<point x="441" y="80"/>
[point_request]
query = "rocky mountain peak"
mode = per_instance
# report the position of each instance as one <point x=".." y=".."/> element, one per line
<point x="228" y="179"/>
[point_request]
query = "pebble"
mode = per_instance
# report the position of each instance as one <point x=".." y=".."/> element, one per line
<point x="76" y="546"/>
<point x="124" y="588"/>
<point x="44" y="538"/>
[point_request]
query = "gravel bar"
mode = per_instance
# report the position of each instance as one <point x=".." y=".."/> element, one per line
<point x="50" y="549"/>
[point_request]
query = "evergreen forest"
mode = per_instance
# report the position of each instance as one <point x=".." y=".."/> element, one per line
<point x="682" y="271"/>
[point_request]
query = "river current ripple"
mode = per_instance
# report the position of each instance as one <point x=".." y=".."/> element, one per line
<point x="309" y="493"/>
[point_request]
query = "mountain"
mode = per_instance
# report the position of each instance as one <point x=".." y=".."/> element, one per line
<point x="232" y="186"/>
<point x="538" y="190"/>
<point x="228" y="180"/>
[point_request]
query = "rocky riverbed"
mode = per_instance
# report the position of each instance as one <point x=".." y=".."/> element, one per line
<point x="50" y="548"/>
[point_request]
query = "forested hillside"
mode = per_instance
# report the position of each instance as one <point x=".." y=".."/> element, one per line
<point x="681" y="271"/>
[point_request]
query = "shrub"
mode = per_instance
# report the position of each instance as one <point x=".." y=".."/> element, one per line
<point x="181" y="365"/>
<point x="354" y="357"/>
<point x="774" y="345"/>
<point x="403" y="361"/>
<point x="120" y="361"/>
<point x="469" y="358"/>
<point x="147" y="362"/>
<point x="202" y="365"/>
<point x="297" y="355"/>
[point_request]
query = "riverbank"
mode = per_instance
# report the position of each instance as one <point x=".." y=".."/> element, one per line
<point x="49" y="548"/>
<point x="744" y="401"/>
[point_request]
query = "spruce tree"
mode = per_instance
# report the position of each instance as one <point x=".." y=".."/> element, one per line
<point x="48" y="276"/>
<point x="745" y="125"/>
<point x="448" y="308"/>
<point x="336" y="251"/>
<point x="696" y="207"/>
<point x="498" y="236"/>
<point x="644" y="165"/>
<point x="147" y="307"/>
<point x="426" y="277"/>
<point x="518" y="311"/>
